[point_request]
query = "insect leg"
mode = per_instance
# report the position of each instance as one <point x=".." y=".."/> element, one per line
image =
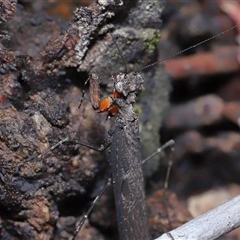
<point x="82" y="221"/>
<point x="102" y="147"/>
<point x="35" y="157"/>
<point x="50" y="149"/>
<point x="170" y="143"/>
<point x="169" y="168"/>
<point x="107" y="142"/>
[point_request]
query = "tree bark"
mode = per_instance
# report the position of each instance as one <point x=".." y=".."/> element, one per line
<point x="40" y="92"/>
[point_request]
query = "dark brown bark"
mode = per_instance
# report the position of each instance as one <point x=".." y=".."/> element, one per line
<point x="39" y="98"/>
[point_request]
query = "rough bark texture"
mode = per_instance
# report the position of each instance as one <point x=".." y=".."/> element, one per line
<point x="39" y="97"/>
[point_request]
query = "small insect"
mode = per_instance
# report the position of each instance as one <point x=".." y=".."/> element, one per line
<point x="94" y="90"/>
<point x="107" y="104"/>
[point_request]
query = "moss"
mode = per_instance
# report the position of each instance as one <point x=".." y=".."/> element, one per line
<point x="137" y="109"/>
<point x="151" y="38"/>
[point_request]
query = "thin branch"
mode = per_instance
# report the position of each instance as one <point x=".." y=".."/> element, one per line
<point x="210" y="225"/>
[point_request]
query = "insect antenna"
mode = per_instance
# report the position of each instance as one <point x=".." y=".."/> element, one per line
<point x="189" y="48"/>
<point x="120" y="54"/>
